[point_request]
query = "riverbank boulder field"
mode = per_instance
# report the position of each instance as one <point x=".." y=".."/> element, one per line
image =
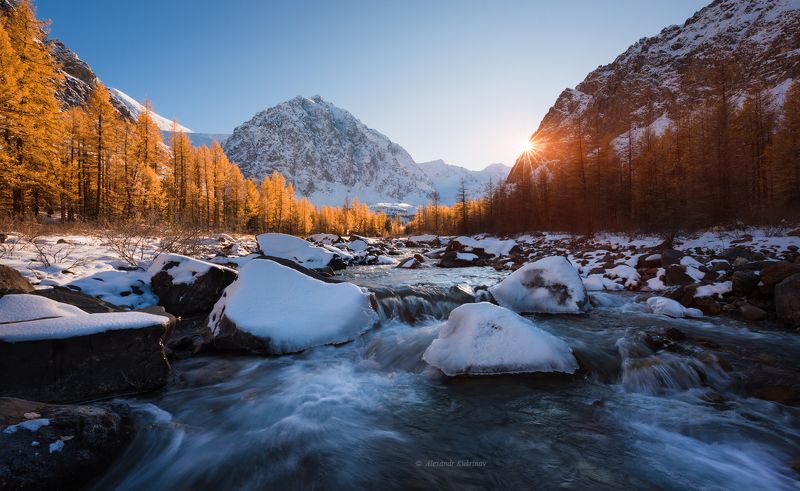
<point x="464" y="307"/>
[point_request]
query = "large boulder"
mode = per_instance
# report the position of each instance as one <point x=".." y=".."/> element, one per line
<point x="670" y="257"/>
<point x="787" y="300"/>
<point x="273" y="309"/>
<point x="55" y="352"/>
<point x="295" y="249"/>
<point x="774" y="273"/>
<point x="549" y="285"/>
<point x="484" y="339"/>
<point x="11" y="281"/>
<point x="44" y="446"/>
<point x="187" y="286"/>
<point x="675" y="274"/>
<point x="744" y="282"/>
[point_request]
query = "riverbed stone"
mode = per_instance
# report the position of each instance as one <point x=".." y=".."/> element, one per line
<point x="45" y="446"/>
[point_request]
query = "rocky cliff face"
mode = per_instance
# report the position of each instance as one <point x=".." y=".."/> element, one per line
<point x="738" y="44"/>
<point x="327" y="154"/>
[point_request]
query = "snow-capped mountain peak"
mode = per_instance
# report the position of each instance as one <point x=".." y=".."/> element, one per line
<point x="328" y="154"/>
<point x="447" y="179"/>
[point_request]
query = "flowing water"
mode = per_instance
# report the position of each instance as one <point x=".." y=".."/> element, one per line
<point x="650" y="408"/>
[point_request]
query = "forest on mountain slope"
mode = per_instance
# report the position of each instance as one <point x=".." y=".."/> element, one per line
<point x="89" y="163"/>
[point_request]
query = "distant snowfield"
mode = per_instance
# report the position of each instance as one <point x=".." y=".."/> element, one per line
<point x="136" y="108"/>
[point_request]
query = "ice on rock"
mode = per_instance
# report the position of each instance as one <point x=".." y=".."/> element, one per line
<point x="294" y="249"/>
<point x="549" y="285"/>
<point x="671" y="308"/>
<point x="484" y="339"/>
<point x="290" y="311"/>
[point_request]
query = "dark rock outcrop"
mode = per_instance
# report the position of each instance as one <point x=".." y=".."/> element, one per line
<point x="84" y="367"/>
<point x="189" y="297"/>
<point x="45" y="446"/>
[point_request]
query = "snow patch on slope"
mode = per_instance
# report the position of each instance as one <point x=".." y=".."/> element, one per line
<point x="136" y="108"/>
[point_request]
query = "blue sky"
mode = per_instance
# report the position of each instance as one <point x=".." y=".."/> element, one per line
<point x="466" y="81"/>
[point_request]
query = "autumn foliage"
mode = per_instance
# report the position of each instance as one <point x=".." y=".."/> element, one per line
<point x="88" y="163"/>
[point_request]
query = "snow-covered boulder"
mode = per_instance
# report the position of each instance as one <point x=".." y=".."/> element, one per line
<point x="488" y="246"/>
<point x="455" y="259"/>
<point x="550" y="285"/>
<point x="273" y="309"/>
<point x="69" y="355"/>
<point x="45" y="446"/>
<point x="295" y="249"/>
<point x="484" y="339"/>
<point x="413" y="262"/>
<point x="187" y="286"/>
<point x="671" y="308"/>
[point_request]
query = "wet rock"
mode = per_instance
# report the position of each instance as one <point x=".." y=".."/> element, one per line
<point x="787" y="300"/>
<point x="708" y="305"/>
<point x="781" y="394"/>
<point x="11" y="281"/>
<point x="45" y="446"/>
<point x="190" y="337"/>
<point x="750" y="312"/>
<point x="187" y="286"/>
<point x="205" y="371"/>
<point x="409" y="263"/>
